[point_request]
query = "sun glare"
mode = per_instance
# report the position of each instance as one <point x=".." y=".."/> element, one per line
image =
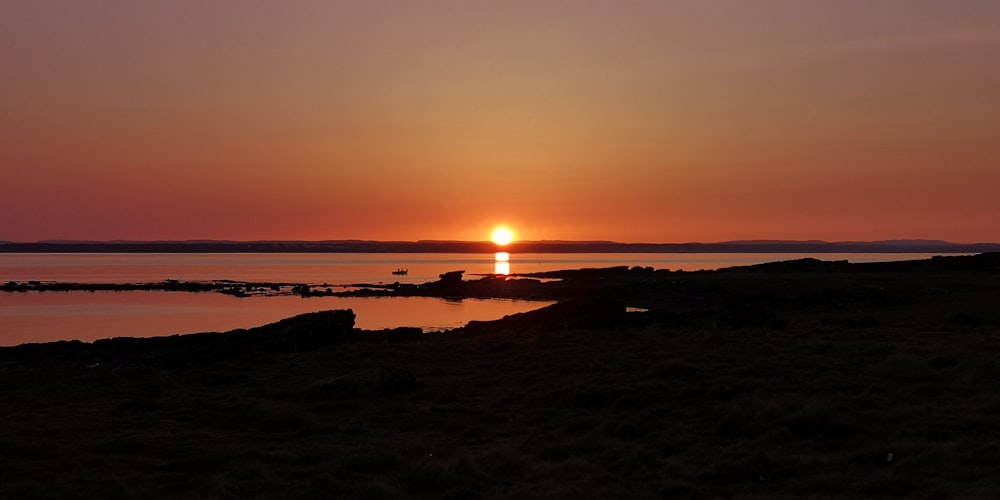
<point x="502" y="236"/>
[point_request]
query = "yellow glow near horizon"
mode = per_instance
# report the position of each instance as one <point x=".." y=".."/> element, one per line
<point x="502" y="235"/>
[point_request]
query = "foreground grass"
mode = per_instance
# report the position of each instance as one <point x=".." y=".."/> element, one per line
<point x="631" y="412"/>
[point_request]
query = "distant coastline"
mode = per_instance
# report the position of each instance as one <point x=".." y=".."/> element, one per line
<point x="364" y="246"/>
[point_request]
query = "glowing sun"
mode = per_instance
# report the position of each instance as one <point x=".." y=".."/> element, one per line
<point x="502" y="235"/>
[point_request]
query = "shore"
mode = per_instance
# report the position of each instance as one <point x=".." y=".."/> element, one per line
<point x="785" y="380"/>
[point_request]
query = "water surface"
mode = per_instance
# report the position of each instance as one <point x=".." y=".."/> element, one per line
<point x="50" y="316"/>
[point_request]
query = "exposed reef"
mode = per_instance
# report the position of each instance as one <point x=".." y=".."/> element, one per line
<point x="552" y="285"/>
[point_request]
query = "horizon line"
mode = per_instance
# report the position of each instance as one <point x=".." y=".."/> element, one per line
<point x="897" y="241"/>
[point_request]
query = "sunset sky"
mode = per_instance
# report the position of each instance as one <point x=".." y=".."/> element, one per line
<point x="634" y="121"/>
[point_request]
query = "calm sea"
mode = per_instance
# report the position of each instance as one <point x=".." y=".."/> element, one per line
<point x="49" y="316"/>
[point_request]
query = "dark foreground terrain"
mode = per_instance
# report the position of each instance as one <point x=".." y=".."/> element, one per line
<point x="802" y="379"/>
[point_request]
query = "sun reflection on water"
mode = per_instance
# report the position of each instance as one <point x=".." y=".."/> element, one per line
<point x="501" y="263"/>
<point x="501" y="268"/>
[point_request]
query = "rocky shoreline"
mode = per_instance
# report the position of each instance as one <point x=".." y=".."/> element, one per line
<point x="786" y="380"/>
<point x="450" y="284"/>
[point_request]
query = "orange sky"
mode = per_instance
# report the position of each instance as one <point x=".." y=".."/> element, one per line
<point x="637" y="121"/>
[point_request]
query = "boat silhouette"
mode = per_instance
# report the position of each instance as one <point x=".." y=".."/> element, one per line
<point x="400" y="272"/>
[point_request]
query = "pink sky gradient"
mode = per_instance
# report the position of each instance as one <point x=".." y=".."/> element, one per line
<point x="652" y="121"/>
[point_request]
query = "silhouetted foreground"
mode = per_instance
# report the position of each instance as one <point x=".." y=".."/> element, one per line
<point x="785" y="380"/>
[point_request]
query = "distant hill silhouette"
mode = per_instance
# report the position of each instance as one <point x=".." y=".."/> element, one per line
<point x="432" y="246"/>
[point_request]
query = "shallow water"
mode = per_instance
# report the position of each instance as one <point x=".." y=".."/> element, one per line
<point x="50" y="316"/>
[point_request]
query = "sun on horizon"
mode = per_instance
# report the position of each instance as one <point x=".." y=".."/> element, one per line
<point x="502" y="235"/>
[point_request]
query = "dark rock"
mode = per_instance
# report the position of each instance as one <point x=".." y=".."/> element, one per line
<point x="401" y="334"/>
<point x="451" y="278"/>
<point x="305" y="330"/>
<point x="588" y="313"/>
<point x="373" y="382"/>
<point x="302" y="332"/>
<point x="591" y="313"/>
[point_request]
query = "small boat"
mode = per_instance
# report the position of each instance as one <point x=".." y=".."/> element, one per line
<point x="400" y="272"/>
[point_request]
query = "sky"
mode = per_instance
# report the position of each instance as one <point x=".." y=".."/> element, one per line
<point x="634" y="121"/>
